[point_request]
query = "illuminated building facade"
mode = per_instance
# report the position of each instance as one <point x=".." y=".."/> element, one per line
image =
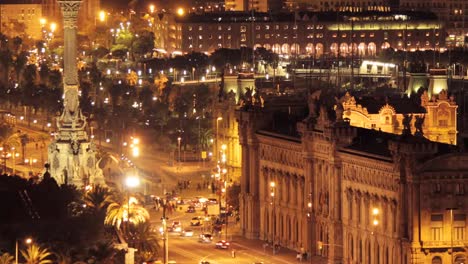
<point x="452" y="12"/>
<point x="347" y="194"/>
<point x="354" y="34"/>
<point x="21" y="20"/>
<point x="88" y="15"/>
<point x="167" y="33"/>
<point x="439" y="114"/>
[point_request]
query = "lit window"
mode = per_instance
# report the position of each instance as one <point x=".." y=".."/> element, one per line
<point x="257" y="27"/>
<point x="220" y="28"/>
<point x="285" y="27"/>
<point x="200" y="28"/>
<point x="190" y="28"/>
<point x="334" y="35"/>
<point x="363" y="35"/>
<point x="267" y="27"/>
<point x="257" y="36"/>
<point x="243" y="29"/>
<point x="276" y="27"/>
<point x="229" y="37"/>
<point x="371" y="35"/>
<point x="200" y="37"/>
<point x="229" y="28"/>
<point x="267" y="36"/>
<point x="343" y="35"/>
<point x="243" y="37"/>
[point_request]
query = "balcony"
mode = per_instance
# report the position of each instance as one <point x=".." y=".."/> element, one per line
<point x="444" y="244"/>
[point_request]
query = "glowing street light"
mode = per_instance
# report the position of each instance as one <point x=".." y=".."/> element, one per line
<point x="102" y="16"/>
<point x="42" y="21"/>
<point x="132" y="181"/>
<point x="53" y="27"/>
<point x="180" y="11"/>
<point x="151" y="8"/>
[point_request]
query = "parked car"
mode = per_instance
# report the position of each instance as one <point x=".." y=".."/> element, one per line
<point x="222" y="244"/>
<point x="205" y="238"/>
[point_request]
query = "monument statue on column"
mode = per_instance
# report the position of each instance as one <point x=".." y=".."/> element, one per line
<point x="72" y="156"/>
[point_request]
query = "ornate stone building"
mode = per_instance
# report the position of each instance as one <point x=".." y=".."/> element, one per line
<point x="348" y="194"/>
<point x="437" y="114"/>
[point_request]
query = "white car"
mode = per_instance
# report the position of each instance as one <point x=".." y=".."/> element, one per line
<point x="187" y="233"/>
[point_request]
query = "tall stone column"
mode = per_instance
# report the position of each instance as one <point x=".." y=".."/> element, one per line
<point x="70" y="10"/>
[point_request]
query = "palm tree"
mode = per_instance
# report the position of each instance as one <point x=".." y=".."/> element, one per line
<point x="103" y="252"/>
<point x="97" y="199"/>
<point x="36" y="255"/>
<point x="6" y="259"/>
<point x="121" y="209"/>
<point x="145" y="240"/>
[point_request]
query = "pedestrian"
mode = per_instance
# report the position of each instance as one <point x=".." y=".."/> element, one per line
<point x="233" y="253"/>
<point x="299" y="256"/>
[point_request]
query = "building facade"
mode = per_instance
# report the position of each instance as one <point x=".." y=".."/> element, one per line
<point x="453" y="13"/>
<point x="314" y="34"/>
<point x="21" y="20"/>
<point x="350" y="195"/>
<point x="437" y="114"/>
<point x="167" y="33"/>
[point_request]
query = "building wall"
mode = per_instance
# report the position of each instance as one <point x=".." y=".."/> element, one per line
<point x="167" y="33"/>
<point x="360" y="39"/>
<point x="13" y="16"/>
<point x="345" y="205"/>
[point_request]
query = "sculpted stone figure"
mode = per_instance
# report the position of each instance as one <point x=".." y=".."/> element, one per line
<point x="418" y="124"/>
<point x="71" y="101"/>
<point x="407" y="124"/>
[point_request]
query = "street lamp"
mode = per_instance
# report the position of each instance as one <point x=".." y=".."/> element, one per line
<point x="166" y="235"/>
<point x="179" y="139"/>
<point x="217" y="127"/>
<point x="130" y="182"/>
<point x="27" y="241"/>
<point x="151" y="8"/>
<point x="272" y="194"/>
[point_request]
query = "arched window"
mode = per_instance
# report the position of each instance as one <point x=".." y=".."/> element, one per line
<point x="436" y="260"/>
<point x="460" y="259"/>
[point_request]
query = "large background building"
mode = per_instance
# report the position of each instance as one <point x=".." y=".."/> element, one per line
<point x="346" y="34"/>
<point x="21" y="19"/>
<point x="87" y="16"/>
<point x="346" y="194"/>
